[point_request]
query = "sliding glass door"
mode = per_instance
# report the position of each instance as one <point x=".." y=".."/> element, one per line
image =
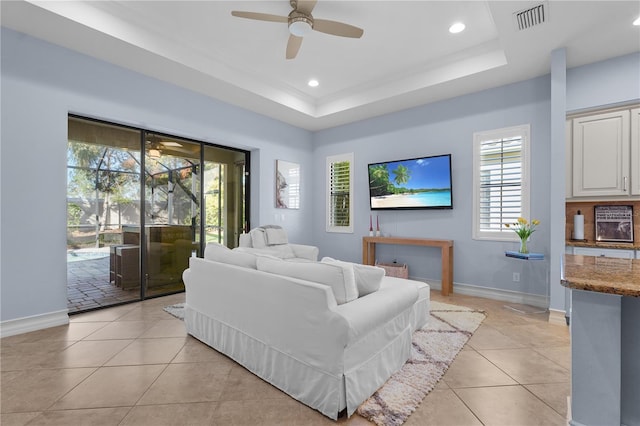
<point x="139" y="205"/>
<point x="103" y="197"/>
<point x="172" y="211"/>
<point x="224" y="192"/>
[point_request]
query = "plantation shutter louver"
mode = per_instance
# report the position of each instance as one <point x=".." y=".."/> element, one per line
<point x="340" y="184"/>
<point x="501" y="181"/>
<point x="340" y="193"/>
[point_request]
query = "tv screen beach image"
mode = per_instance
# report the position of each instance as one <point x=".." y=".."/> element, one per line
<point x="416" y="183"/>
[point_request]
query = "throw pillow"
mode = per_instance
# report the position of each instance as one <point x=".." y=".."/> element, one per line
<point x="258" y="239"/>
<point x="223" y="254"/>
<point x="276" y="236"/>
<point x="282" y="251"/>
<point x="368" y="278"/>
<point x="338" y="278"/>
<point x="244" y="240"/>
<point x="257" y="252"/>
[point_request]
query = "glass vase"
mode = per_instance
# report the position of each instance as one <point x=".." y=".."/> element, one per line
<point x="523" y="246"/>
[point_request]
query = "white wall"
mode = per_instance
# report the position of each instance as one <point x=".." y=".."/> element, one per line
<point x="41" y="83"/>
<point x="441" y="128"/>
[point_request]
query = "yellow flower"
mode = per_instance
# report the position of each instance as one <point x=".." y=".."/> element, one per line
<point x="523" y="228"/>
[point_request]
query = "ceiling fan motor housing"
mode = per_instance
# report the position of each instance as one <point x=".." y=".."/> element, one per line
<point x="300" y="24"/>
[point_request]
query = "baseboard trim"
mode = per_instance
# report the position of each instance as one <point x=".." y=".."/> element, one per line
<point x="557" y="317"/>
<point x="33" y="323"/>
<point x="510" y="296"/>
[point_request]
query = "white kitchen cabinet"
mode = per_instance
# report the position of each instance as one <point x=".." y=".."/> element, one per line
<point x="603" y="252"/>
<point x="600" y="153"/>
<point x="635" y="151"/>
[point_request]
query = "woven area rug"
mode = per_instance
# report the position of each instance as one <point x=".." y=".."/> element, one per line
<point x="176" y="310"/>
<point x="435" y="346"/>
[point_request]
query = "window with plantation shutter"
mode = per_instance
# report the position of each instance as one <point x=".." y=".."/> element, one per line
<point x="501" y="181"/>
<point x="340" y="193"/>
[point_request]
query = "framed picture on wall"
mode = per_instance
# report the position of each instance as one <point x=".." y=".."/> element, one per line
<point x="614" y="223"/>
<point x="287" y="185"/>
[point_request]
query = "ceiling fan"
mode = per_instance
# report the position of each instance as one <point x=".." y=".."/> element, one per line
<point x="301" y="22"/>
<point x="155" y="145"/>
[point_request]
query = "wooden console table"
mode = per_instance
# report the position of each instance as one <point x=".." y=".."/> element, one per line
<point x="369" y="254"/>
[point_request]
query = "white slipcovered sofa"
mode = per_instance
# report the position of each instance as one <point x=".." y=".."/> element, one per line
<point x="319" y="331"/>
<point x="272" y="240"/>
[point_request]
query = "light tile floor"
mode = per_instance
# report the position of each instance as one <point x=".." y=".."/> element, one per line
<point x="135" y="365"/>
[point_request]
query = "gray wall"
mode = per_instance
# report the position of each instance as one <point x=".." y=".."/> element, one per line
<point x="604" y="83"/>
<point x="447" y="127"/>
<point x="41" y="84"/>
<point x="441" y="128"/>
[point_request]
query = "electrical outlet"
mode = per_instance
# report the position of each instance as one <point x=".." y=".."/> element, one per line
<point x="516" y="277"/>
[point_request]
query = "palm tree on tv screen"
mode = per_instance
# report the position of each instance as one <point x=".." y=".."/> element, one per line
<point x="379" y="180"/>
<point x="402" y="175"/>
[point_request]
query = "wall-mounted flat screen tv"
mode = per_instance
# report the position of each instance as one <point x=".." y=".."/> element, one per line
<point x="416" y="183"/>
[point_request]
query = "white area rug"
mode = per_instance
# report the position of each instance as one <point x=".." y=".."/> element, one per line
<point x="176" y="310"/>
<point x="435" y="347"/>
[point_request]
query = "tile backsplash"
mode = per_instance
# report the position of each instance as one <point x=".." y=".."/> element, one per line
<point x="587" y="209"/>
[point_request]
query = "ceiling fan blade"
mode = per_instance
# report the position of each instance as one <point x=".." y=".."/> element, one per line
<point x="306" y="6"/>
<point x="337" y="28"/>
<point x="179" y="149"/>
<point x="293" y="45"/>
<point x="260" y="16"/>
<point x="170" y="143"/>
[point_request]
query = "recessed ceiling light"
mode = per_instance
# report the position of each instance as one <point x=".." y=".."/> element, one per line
<point x="313" y="83"/>
<point x="458" y="27"/>
<point x="637" y="21"/>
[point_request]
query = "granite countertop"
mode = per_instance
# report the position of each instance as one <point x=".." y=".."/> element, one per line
<point x="598" y="244"/>
<point x="602" y="274"/>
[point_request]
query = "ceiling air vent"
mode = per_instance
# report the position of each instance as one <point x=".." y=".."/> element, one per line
<point x="530" y="17"/>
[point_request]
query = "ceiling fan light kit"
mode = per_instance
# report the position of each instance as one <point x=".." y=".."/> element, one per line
<point x="300" y="26"/>
<point x="301" y="23"/>
<point x="457" y="27"/>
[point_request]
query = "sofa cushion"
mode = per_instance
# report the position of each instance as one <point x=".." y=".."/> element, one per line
<point x="220" y="253"/>
<point x="258" y="240"/>
<point x="244" y="240"/>
<point x="340" y="279"/>
<point x="281" y="252"/>
<point x="368" y="278"/>
<point x="276" y="236"/>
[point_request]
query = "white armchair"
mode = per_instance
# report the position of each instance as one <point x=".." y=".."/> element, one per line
<point x="273" y="240"/>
